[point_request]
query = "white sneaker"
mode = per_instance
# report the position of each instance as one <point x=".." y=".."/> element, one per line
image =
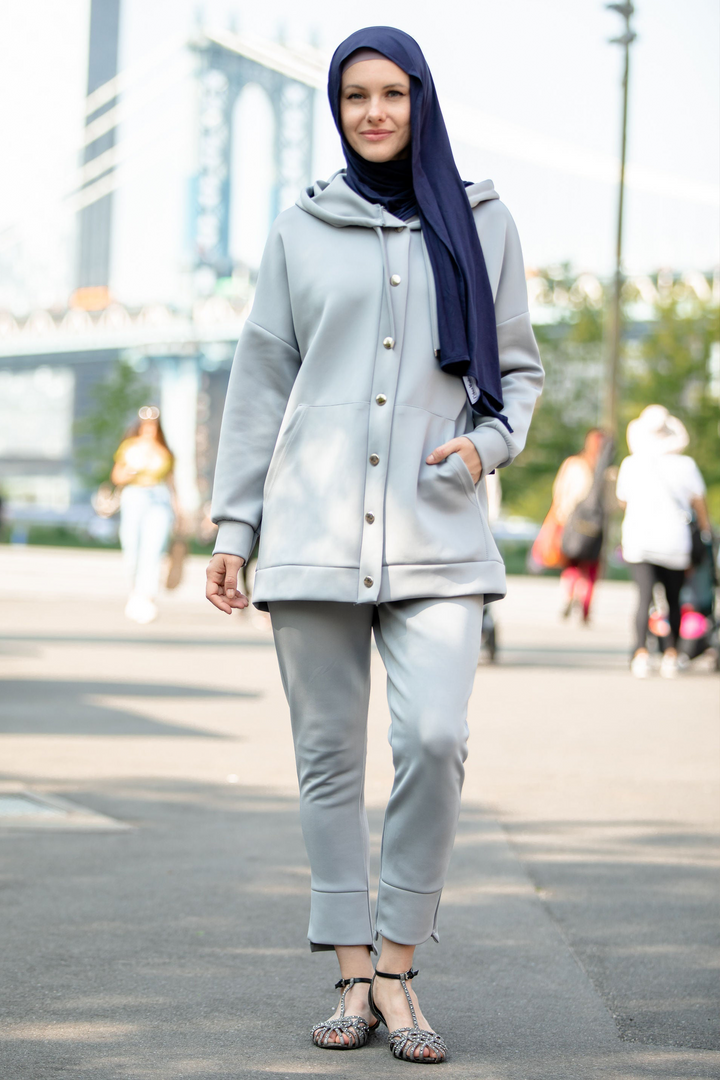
<point x="669" y="667"/>
<point x="140" y="609"/>
<point x="640" y="665"/>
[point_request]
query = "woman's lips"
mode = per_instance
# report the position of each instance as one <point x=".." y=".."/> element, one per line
<point x="376" y="136"/>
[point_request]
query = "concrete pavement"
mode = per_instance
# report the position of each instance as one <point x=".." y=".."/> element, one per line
<point x="579" y="923"/>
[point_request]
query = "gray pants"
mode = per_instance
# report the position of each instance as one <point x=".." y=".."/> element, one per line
<point x="430" y="650"/>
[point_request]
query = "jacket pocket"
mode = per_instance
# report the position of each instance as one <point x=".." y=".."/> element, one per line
<point x="432" y="512"/>
<point x="313" y="504"/>
<point x="465" y="476"/>
<point x="285" y="441"/>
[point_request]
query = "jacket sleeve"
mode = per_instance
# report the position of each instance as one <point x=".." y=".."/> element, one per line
<point x="264" y="369"/>
<point x="521" y="369"/>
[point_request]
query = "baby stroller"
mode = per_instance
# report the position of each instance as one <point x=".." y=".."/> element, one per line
<point x="699" y="625"/>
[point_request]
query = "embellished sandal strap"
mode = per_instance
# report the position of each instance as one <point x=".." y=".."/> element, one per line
<point x="356" y="1028"/>
<point x="387" y="975"/>
<point x="404" y="979"/>
<point x="342" y="983"/>
<point x="405" y="1042"/>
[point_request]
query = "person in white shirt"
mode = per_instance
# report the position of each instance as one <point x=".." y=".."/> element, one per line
<point x="660" y="488"/>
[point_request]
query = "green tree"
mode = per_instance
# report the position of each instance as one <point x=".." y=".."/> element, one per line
<point x="666" y="360"/>
<point x="670" y="366"/>
<point x="572" y="355"/>
<point x="114" y="402"/>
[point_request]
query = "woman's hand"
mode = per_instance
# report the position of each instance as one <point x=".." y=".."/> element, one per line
<point x="465" y="448"/>
<point x="121" y="475"/>
<point x="222" y="583"/>
<point x="703" y="518"/>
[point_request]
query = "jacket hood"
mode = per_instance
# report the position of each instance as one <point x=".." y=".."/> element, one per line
<point x="333" y="202"/>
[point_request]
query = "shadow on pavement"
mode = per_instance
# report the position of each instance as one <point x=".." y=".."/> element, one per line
<point x="65" y="707"/>
<point x="639" y="903"/>
<point x="178" y="950"/>
<point x="149" y="638"/>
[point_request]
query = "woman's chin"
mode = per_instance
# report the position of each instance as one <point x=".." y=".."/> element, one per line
<point x="378" y="153"/>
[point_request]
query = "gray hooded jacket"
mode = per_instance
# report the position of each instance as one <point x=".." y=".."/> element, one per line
<point x="336" y="398"/>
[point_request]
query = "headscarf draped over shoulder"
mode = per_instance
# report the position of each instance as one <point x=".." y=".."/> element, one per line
<point x="428" y="183"/>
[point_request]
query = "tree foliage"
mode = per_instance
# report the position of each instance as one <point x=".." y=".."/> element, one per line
<point x="666" y="360"/>
<point x="572" y="354"/>
<point x="670" y="366"/>
<point x="114" y="403"/>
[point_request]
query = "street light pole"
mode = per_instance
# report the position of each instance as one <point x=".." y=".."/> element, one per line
<point x="611" y="402"/>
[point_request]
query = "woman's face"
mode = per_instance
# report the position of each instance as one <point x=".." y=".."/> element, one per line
<point x="375" y="109"/>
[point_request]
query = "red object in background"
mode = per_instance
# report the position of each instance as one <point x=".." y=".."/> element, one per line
<point x="658" y="624"/>
<point x="693" y="625"/>
<point x="547" y="550"/>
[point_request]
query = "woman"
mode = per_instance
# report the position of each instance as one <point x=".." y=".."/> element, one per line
<point x="143" y="468"/>
<point x="361" y="413"/>
<point x="572" y="486"/>
<point x="660" y="489"/>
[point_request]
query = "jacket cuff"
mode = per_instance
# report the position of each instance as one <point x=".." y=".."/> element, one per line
<point x="491" y="446"/>
<point x="235" y="538"/>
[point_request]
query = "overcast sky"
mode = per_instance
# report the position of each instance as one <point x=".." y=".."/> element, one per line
<point x="533" y="97"/>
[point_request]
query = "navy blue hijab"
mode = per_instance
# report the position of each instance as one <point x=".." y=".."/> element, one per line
<point x="428" y="183"/>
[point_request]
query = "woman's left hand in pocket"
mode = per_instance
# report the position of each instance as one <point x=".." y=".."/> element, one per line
<point x="465" y="448"/>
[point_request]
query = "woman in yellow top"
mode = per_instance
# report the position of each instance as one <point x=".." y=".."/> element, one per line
<point x="143" y="468"/>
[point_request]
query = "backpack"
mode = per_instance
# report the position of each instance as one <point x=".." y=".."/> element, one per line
<point x="583" y="534"/>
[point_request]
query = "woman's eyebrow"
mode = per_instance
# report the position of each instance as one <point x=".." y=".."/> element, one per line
<point x="358" y="86"/>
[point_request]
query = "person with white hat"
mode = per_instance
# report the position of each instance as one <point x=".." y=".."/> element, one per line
<point x="661" y="489"/>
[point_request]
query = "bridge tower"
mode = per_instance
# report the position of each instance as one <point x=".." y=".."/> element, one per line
<point x="227" y="64"/>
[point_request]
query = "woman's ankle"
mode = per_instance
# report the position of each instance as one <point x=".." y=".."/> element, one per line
<point x="394" y="958"/>
<point x="354" y="961"/>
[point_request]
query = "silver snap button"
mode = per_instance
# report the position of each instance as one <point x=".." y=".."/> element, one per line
<point x="395" y="279"/>
<point x="369" y="518"/>
<point x="374" y="459"/>
<point x="381" y="399"/>
<point x="368" y="582"/>
<point x="389" y="342"/>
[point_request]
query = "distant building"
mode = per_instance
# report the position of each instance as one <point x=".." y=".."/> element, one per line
<point x="170" y="224"/>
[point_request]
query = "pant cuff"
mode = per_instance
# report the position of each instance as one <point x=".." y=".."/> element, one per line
<point x="406" y="917"/>
<point x="339" y="919"/>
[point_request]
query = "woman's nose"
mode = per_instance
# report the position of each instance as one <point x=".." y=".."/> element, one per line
<point x="376" y="113"/>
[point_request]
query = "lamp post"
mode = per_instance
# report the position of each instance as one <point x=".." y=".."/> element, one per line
<point x="611" y="403"/>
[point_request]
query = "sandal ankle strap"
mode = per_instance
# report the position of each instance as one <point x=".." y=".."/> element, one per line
<point x="406" y="975"/>
<point x="342" y="983"/>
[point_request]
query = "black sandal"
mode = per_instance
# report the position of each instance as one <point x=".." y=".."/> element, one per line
<point x="356" y="1028"/>
<point x="404" y="1042"/>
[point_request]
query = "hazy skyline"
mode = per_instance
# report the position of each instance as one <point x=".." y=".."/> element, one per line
<point x="531" y="90"/>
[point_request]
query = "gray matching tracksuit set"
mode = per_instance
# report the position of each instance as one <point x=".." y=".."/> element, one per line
<point x="334" y="402"/>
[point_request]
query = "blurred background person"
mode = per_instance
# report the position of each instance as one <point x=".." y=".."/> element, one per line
<point x="572" y="533"/>
<point x="143" y="469"/>
<point x="579" y="492"/>
<point x="662" y="491"/>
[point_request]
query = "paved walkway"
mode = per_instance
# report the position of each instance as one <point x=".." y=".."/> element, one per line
<point x="579" y="923"/>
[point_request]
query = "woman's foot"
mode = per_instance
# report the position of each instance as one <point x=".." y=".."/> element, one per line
<point x="390" y="1000"/>
<point x="640" y="664"/>
<point x="140" y="609"/>
<point x="669" y="667"/>
<point x="355" y="1005"/>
